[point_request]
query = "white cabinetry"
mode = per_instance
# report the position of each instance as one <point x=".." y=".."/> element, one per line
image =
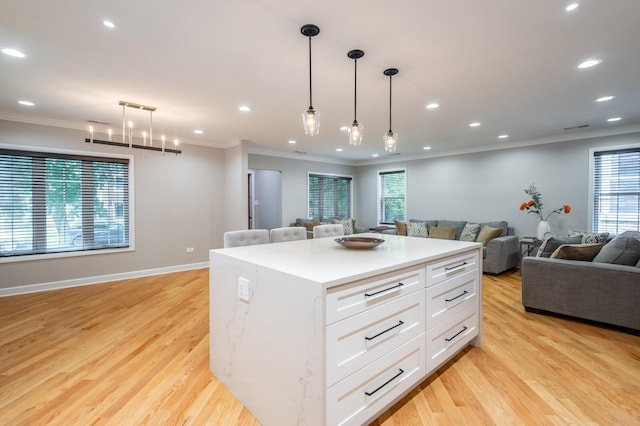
<point x="331" y="336"/>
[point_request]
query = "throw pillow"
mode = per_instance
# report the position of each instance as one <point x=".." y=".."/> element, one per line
<point x="430" y="223"/>
<point x="311" y="225"/>
<point x="551" y="243"/>
<point x="401" y="228"/>
<point x="487" y="233"/>
<point x="590" y="237"/>
<point x="621" y="251"/>
<point x="417" y="229"/>
<point x="585" y="252"/>
<point x="458" y="224"/>
<point x="347" y="224"/>
<point x="470" y="232"/>
<point x="443" y="232"/>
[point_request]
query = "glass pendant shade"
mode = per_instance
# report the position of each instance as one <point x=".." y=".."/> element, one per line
<point x="355" y="133"/>
<point x="311" y="122"/>
<point x="390" y="141"/>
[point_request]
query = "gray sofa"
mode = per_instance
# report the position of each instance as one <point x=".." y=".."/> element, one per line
<point x="500" y="254"/>
<point x="604" y="289"/>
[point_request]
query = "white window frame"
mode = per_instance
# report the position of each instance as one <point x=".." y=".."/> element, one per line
<point x="64" y="254"/>
<point x="379" y="195"/>
<point x="592" y="152"/>
<point x="330" y="175"/>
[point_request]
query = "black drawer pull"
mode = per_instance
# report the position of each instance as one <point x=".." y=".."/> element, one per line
<point x="460" y="295"/>
<point x="388" y="329"/>
<point x="382" y="291"/>
<point x="385" y="383"/>
<point x="457" y="334"/>
<point x="451" y="268"/>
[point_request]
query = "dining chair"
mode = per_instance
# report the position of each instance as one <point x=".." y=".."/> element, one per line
<point x="246" y="237"/>
<point x="288" y="233"/>
<point x="331" y="230"/>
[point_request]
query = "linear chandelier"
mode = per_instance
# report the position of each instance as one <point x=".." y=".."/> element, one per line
<point x="127" y="133"/>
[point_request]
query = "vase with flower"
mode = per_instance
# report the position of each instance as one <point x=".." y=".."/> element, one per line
<point x="534" y="205"/>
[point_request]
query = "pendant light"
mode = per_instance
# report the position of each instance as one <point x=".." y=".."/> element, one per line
<point x="390" y="138"/>
<point x="311" y="117"/>
<point x="355" y="132"/>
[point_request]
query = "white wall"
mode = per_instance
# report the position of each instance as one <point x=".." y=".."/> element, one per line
<point x="294" y="181"/>
<point x="179" y="203"/>
<point x="490" y="185"/>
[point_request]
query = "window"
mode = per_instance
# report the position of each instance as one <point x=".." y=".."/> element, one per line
<point x="329" y="196"/>
<point x="391" y="195"/>
<point x="616" y="190"/>
<point x="54" y="202"/>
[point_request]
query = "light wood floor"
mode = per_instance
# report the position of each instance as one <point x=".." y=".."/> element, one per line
<point x="136" y="352"/>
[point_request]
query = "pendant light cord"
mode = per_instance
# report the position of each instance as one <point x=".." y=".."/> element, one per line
<point x="310" y="93"/>
<point x="390" y="77"/>
<point x="355" y="90"/>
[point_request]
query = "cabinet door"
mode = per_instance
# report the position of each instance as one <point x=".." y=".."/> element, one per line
<point x="451" y="266"/>
<point x="447" y="338"/>
<point x="358" y="340"/>
<point x="353" y="298"/>
<point x="450" y="297"/>
<point x="362" y="395"/>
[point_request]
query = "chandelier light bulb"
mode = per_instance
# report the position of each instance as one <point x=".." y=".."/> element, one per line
<point x="355" y="133"/>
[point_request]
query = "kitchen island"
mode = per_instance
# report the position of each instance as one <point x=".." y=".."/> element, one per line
<point x="312" y="333"/>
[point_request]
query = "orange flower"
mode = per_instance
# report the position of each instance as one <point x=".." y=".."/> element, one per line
<point x="523" y="206"/>
<point x="566" y="208"/>
<point x="530" y="203"/>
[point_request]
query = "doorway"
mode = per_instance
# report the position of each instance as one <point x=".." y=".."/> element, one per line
<point x="265" y="199"/>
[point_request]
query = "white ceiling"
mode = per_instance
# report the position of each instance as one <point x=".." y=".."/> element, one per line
<point x="510" y="64"/>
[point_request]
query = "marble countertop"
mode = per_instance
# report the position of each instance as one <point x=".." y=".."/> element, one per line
<point x="326" y="262"/>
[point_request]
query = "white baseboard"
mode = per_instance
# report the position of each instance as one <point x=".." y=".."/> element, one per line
<point x="100" y="279"/>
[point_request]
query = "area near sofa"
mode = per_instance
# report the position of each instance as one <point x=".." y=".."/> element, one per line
<point x="500" y="251"/>
<point x="586" y="277"/>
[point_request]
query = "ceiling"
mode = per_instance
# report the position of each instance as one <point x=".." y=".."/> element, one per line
<point x="509" y="64"/>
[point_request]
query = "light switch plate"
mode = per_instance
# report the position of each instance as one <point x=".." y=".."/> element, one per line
<point x="243" y="289"/>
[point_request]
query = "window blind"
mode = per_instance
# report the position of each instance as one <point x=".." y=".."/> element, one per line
<point x="329" y="196"/>
<point x="55" y="202"/>
<point x="392" y="189"/>
<point x="616" y="191"/>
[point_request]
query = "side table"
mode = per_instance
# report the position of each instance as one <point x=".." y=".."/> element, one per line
<point x="529" y="245"/>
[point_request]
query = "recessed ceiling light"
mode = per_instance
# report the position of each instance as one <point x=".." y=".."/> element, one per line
<point x="13" y="52"/>
<point x="244" y="108"/>
<point x="433" y="105"/>
<point x="474" y="124"/>
<point x="339" y="149"/>
<point x="605" y="98"/>
<point x="26" y="103"/>
<point x="590" y="63"/>
<point x="374" y="155"/>
<point x="198" y="132"/>
<point x="614" y="119"/>
<point x="108" y="24"/>
<point x="292" y="142"/>
<point x="505" y="136"/>
<point x="570" y="7"/>
<point x="344" y="128"/>
<point x="426" y="148"/>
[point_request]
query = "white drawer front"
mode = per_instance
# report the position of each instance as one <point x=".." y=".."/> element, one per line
<point x="452" y="266"/>
<point x="358" y="340"/>
<point x="350" y="299"/>
<point x="360" y="396"/>
<point x="449" y="337"/>
<point x="450" y="297"/>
